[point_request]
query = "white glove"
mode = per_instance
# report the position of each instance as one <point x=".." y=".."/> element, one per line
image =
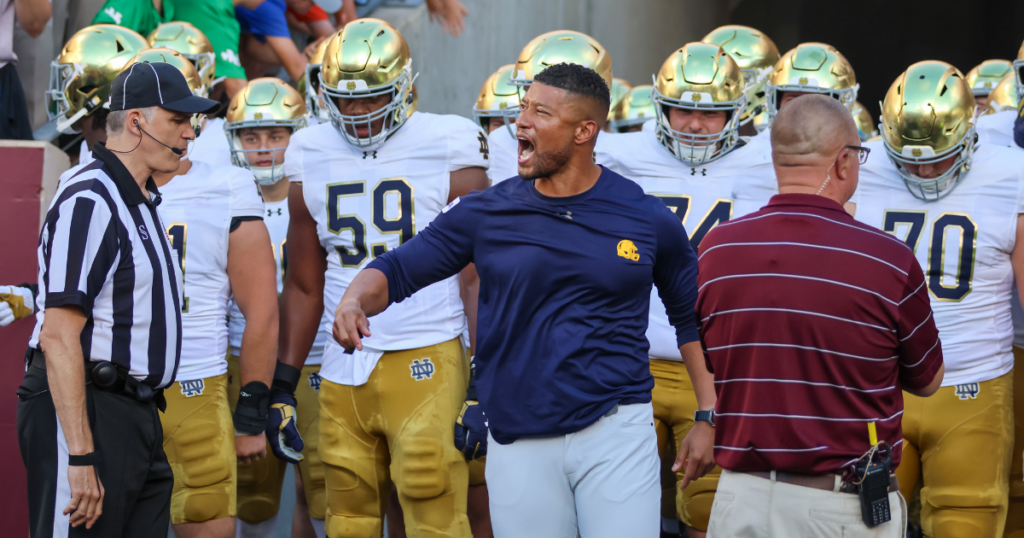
<point x="15" y="303"/>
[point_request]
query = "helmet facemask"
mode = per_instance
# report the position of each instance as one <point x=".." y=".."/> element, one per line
<point x="693" y="148"/>
<point x="932" y="189"/>
<point x="393" y="114"/>
<point x="315" y="102"/>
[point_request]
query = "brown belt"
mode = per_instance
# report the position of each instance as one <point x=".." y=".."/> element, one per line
<point x="826" y="482"/>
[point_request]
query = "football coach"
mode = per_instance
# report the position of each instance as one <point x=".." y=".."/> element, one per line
<point x="814" y="324"/>
<point x="108" y="332"/>
<point x="567" y="254"/>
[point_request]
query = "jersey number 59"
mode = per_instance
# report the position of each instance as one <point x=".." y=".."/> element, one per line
<point x="403" y="223"/>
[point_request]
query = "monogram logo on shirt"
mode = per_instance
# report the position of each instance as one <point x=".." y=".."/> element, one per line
<point x="192" y="388"/>
<point x="143" y="232"/>
<point x="421" y="370"/>
<point x="628" y="250"/>
<point x="483" y="145"/>
<point x="968" y="391"/>
<point x="314" y="381"/>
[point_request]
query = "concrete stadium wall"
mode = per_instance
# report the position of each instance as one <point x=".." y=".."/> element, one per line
<point x="639" y="35"/>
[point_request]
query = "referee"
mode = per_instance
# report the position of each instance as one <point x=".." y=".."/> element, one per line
<point x="567" y="255"/>
<point x="108" y="333"/>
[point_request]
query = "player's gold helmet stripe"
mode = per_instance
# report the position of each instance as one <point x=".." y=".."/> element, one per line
<point x="81" y="76"/>
<point x="984" y="77"/>
<point x="498" y="98"/>
<point x="928" y="116"/>
<point x="367" y="58"/>
<point x="812" y="68"/>
<point x="699" y="76"/>
<point x="756" y="54"/>
<point x="561" y="46"/>
<point x="191" y="43"/>
<point x="264" y="102"/>
<point x="637" y="107"/>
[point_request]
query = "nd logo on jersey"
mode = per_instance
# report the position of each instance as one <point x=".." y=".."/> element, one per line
<point x="421" y="370"/>
<point x="968" y="391"/>
<point x="192" y="388"/>
<point x="314" y="381"/>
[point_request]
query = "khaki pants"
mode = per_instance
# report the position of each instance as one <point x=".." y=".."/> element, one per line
<point x="747" y="506"/>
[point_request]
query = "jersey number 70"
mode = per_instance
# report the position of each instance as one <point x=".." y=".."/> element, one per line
<point x="947" y="223"/>
<point x="403" y="224"/>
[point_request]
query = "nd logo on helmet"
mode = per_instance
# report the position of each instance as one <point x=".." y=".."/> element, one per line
<point x="627" y="250"/>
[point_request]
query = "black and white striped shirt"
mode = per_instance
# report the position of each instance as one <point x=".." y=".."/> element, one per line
<point x="103" y="248"/>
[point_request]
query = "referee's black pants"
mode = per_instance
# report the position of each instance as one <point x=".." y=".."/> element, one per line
<point x="127" y="435"/>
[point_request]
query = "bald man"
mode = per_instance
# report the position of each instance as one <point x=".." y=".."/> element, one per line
<point x="812" y="324"/>
<point x="567" y="253"/>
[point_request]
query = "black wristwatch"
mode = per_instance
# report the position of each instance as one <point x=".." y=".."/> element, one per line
<point x="705" y="416"/>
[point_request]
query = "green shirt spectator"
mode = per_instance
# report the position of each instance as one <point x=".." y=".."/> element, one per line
<point x="216" y="19"/>
<point x="141" y="16"/>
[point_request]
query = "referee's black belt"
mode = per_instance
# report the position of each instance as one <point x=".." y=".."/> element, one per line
<point x="108" y="377"/>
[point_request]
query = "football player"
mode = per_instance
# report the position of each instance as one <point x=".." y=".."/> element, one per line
<point x="958" y="205"/>
<point x="998" y="127"/>
<point x="695" y="161"/>
<point x="619" y="90"/>
<point x="544" y="50"/>
<point x="984" y="78"/>
<point x="211" y="145"/>
<point x="362" y="185"/>
<point x="497" y="107"/>
<point x="635" y="110"/>
<point x="214" y="220"/>
<point x="756" y="54"/>
<point x="80" y="79"/>
<point x="261" y="120"/>
<point x="309" y="86"/>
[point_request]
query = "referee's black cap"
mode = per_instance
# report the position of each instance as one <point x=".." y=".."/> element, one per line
<point x="157" y="84"/>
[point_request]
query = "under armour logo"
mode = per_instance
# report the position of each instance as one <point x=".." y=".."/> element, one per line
<point x="421" y="370"/>
<point x="703" y="171"/>
<point x="567" y="214"/>
<point x="192" y="388"/>
<point x="143" y="232"/>
<point x="113" y="14"/>
<point x="365" y="153"/>
<point x="314" y="381"/>
<point x="270" y="212"/>
<point x="968" y="390"/>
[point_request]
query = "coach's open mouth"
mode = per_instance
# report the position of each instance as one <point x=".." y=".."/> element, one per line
<point x="525" y="148"/>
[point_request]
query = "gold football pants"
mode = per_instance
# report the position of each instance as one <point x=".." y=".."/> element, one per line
<point x="260" y="483"/>
<point x="199" y="439"/>
<point x="397" y="430"/>
<point x="957" y="442"/>
<point x="675" y="403"/>
<point x="1015" y="513"/>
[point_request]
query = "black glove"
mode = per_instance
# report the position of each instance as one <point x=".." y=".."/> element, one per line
<point x="471" y="426"/>
<point x="282" y="433"/>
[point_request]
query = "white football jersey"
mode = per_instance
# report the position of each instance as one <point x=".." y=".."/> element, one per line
<point x="197" y="209"/>
<point x="963" y="243"/>
<point x="366" y="202"/>
<point x="504" y="150"/>
<point x="212" y="145"/>
<point x="997" y="129"/>
<point x="702" y="196"/>
<point x="275" y="216"/>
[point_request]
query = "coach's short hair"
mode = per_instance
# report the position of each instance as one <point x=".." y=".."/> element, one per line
<point x="578" y="81"/>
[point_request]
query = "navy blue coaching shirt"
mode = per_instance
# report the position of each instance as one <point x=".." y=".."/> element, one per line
<point x="565" y="287"/>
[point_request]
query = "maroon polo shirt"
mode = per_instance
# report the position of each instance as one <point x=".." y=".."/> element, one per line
<point x="812" y="323"/>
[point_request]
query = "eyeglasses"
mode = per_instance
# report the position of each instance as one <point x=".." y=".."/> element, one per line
<point x="862" y="153"/>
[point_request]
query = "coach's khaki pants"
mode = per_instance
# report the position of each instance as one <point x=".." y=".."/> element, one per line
<point x="747" y="506"/>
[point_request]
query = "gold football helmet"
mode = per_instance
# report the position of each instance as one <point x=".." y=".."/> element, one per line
<point x="699" y="76"/>
<point x="367" y="58"/>
<point x="756" y="54"/>
<point x="173" y="57"/>
<point x="865" y="123"/>
<point x="309" y="85"/>
<point x="927" y="116"/>
<point x="264" y="102"/>
<point x="499" y="98"/>
<point x="190" y="43"/>
<point x="619" y="89"/>
<point x="557" y="47"/>
<point x="1018" y="70"/>
<point x="636" y="108"/>
<point x="1004" y="96"/>
<point x="986" y="75"/>
<point x="812" y="68"/>
<point x="81" y="75"/>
